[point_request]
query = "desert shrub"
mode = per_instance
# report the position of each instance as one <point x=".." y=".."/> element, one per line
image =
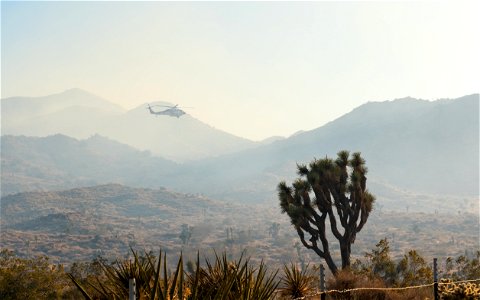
<point x="462" y="267"/>
<point x="449" y="290"/>
<point x="378" y="264"/>
<point x="413" y="269"/>
<point x="32" y="278"/>
<point x="346" y="279"/>
<point x="84" y="272"/>
<point x="422" y="293"/>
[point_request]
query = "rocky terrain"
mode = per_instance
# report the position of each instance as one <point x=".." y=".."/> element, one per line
<point x="83" y="223"/>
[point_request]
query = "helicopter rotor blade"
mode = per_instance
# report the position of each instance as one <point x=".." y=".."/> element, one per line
<point x="158" y="105"/>
<point x="170" y="106"/>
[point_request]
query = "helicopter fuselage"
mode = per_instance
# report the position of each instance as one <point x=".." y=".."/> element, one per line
<point x="173" y="112"/>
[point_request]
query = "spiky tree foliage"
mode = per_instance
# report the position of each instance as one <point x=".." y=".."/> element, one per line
<point x="333" y="191"/>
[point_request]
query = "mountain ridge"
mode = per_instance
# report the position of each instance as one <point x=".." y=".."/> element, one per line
<point x="447" y="129"/>
<point x="80" y="114"/>
<point x="407" y="150"/>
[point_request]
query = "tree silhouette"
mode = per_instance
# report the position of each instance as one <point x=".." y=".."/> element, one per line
<point x="186" y="234"/>
<point x="333" y="189"/>
<point x="274" y="229"/>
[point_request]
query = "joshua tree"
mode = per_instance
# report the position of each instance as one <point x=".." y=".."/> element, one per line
<point x="328" y="189"/>
<point x="186" y="234"/>
<point x="274" y="229"/>
<point x="230" y="239"/>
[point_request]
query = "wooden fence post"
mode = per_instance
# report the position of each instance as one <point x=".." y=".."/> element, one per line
<point x="131" y="289"/>
<point x="322" y="283"/>
<point x="435" y="280"/>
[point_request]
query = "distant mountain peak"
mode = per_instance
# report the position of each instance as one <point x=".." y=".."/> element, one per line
<point x="408" y="98"/>
<point x="76" y="90"/>
<point x="271" y="139"/>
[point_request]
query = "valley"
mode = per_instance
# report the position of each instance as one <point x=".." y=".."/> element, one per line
<point x="83" y="223"/>
<point x="76" y="198"/>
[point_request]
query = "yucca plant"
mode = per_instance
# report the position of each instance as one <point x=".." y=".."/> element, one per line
<point x="214" y="279"/>
<point x="225" y="279"/>
<point x="221" y="280"/>
<point x="258" y="284"/>
<point x="296" y="283"/>
<point x="146" y="271"/>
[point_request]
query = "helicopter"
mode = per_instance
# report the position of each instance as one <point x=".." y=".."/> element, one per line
<point x="172" y="111"/>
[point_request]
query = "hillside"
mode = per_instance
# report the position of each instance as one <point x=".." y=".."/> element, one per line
<point x="74" y="112"/>
<point x="416" y="144"/>
<point x="427" y="147"/>
<point x="179" y="139"/>
<point x="58" y="162"/>
<point x="80" y="114"/>
<point x="84" y="222"/>
<point x="80" y="224"/>
<point x="411" y="147"/>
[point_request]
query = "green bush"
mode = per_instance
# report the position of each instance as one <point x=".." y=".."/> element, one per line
<point x="34" y="278"/>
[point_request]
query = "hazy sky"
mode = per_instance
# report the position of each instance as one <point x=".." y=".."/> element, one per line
<point x="254" y="69"/>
